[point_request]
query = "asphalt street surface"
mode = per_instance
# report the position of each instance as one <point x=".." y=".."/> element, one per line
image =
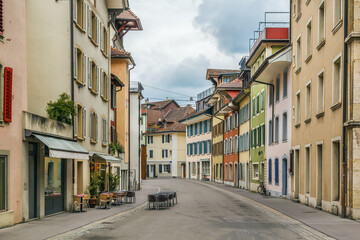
<point x="202" y="212"/>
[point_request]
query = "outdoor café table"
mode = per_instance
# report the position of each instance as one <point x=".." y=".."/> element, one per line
<point x="81" y="200"/>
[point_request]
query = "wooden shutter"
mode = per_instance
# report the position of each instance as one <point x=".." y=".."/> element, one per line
<point x="84" y="69"/>
<point x="75" y="63"/>
<point x="84" y="5"/>
<point x="101" y="27"/>
<point x="97" y="79"/>
<point x="1" y="18"/>
<point x="160" y="168"/>
<point x="76" y="121"/>
<point x="8" y="79"/>
<point x="108" y="86"/>
<point x="89" y="73"/>
<point x="97" y="30"/>
<point x="84" y="122"/>
<point x="75" y="6"/>
<point x="114" y="96"/>
<point x="101" y="82"/>
<point x="89" y="21"/>
<point x="96" y="127"/>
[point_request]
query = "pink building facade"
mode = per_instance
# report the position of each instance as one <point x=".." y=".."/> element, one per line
<point x="13" y="101"/>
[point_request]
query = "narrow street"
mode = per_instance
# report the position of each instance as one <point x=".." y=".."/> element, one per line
<point x="203" y="212"/>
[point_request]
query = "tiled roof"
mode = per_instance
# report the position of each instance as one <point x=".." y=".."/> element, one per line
<point x="115" y="53"/>
<point x="179" y="113"/>
<point x="127" y="15"/>
<point x="195" y="113"/>
<point x="158" y="105"/>
<point x="153" y="116"/>
<point x="217" y="72"/>
<point x="172" y="127"/>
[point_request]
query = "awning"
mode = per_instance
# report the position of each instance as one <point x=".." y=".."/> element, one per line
<point x="61" y="148"/>
<point x="106" y="158"/>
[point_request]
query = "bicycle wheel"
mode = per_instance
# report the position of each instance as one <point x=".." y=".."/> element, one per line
<point x="260" y="190"/>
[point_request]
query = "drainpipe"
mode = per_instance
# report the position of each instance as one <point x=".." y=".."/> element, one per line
<point x="72" y="59"/>
<point x="139" y="159"/>
<point x="344" y="158"/>
<point x="129" y="125"/>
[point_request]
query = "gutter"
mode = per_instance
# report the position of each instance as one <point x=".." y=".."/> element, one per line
<point x="344" y="157"/>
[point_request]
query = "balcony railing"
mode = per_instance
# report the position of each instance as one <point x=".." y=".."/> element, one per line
<point x="205" y="93"/>
<point x="136" y="86"/>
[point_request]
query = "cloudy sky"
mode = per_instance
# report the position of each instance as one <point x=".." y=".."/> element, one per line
<point x="182" y="38"/>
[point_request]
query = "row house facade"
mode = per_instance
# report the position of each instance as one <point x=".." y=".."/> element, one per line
<point x="198" y="144"/>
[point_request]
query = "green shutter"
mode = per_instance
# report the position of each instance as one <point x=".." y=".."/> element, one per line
<point x="263" y="133"/>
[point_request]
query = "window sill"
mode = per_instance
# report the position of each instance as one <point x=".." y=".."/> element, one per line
<point x="297" y="125"/>
<point x="79" y="27"/>
<point x="298" y="16"/>
<point x="105" y="54"/>
<point x="81" y="84"/>
<point x="93" y="141"/>
<point x="336" y="106"/>
<point x="93" y="92"/>
<point x="80" y="138"/>
<point x="298" y="70"/>
<point x="93" y="42"/>
<point x="308" y="120"/>
<point x="320" y="44"/>
<point x="284" y="140"/>
<point x="337" y="26"/>
<point x="308" y="58"/>
<point x="320" y="114"/>
<point x="104" y="99"/>
<point x="307" y="2"/>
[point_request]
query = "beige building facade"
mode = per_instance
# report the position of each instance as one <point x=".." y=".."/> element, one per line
<point x="317" y="38"/>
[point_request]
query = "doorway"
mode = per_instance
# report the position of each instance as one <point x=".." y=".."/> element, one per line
<point x="319" y="178"/>
<point x="297" y="174"/>
<point x="198" y="171"/>
<point x="80" y="177"/>
<point x="54" y="185"/>
<point x="33" y="181"/>
<point x="236" y="171"/>
<point x="284" y="177"/>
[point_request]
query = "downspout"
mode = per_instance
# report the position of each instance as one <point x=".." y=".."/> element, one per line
<point x="129" y="125"/>
<point x="344" y="159"/>
<point x="139" y="159"/>
<point x="72" y="58"/>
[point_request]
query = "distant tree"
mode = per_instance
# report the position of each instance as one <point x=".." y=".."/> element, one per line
<point x="62" y="110"/>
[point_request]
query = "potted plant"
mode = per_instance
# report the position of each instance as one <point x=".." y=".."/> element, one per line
<point x="119" y="149"/>
<point x="114" y="181"/>
<point x="112" y="148"/>
<point x="93" y="188"/>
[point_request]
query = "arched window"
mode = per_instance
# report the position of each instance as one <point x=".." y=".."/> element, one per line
<point x="226" y="171"/>
<point x="240" y="171"/>
<point x="230" y="172"/>
<point x="270" y="171"/>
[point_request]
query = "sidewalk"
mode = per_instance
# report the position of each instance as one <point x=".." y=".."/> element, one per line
<point x="64" y="222"/>
<point x="329" y="224"/>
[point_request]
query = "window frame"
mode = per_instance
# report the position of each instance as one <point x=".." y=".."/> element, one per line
<point x="320" y="112"/>
<point x="337" y="103"/>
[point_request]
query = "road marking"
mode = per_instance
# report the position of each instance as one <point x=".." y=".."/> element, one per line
<point x="294" y="225"/>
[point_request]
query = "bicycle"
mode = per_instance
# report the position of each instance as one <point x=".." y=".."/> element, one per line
<point x="261" y="189"/>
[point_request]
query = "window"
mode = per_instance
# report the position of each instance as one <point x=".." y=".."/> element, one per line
<point x="205" y="145"/>
<point x="196" y="128"/>
<point x="270" y="171"/>
<point x="271" y="95"/>
<point x="113" y="96"/>
<point x="298" y="54"/>
<point x="320" y="93"/>
<point x="93" y="27"/>
<point x="93" y="77"/>
<point x="104" y="40"/>
<point x="93" y="127"/>
<point x="151" y="153"/>
<point x="276" y="165"/>
<point x="285" y="84"/>
<point x="230" y="172"/>
<point x="307" y="169"/>
<point x="337" y="12"/>
<point x="80" y="122"/>
<point x="104" y="84"/>
<point x="221" y="171"/>
<point x="255" y="171"/>
<point x="297" y="109"/>
<point x="193" y="168"/>
<point x="191" y="130"/>
<point x="191" y="149"/>
<point x="284" y="128"/>
<point x="308" y="101"/>
<point x="253" y="106"/>
<point x="79" y="66"/>
<point x="80" y="13"/>
<point x="298" y="9"/>
<point x="270" y="132"/>
<point x="335" y="170"/>
<point x="150" y="139"/>
<point x="277" y="93"/>
<point x="255" y="136"/>
<point x="1" y="19"/>
<point x="200" y="127"/>
<point x="3" y="181"/>
<point x="195" y="148"/>
<point x="104" y="131"/>
<point x="167" y="168"/>
<point x="209" y="142"/>
<point x="308" y="40"/>
<point x="200" y="147"/>
<point x="321" y="30"/>
<point x="257" y="104"/>
<point x="262" y="101"/>
<point x="336" y="90"/>
<point x="259" y="136"/>
<point x="206" y="126"/>
<point x="263" y="134"/>
<point x="277" y="129"/>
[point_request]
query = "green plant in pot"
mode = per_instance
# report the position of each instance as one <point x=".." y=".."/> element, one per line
<point x="114" y="181"/>
<point x="93" y="188"/>
<point x="112" y="148"/>
<point x="119" y="148"/>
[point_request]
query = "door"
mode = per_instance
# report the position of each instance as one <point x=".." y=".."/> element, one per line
<point x="189" y="171"/>
<point x="147" y="170"/>
<point x="247" y="176"/>
<point x="123" y="179"/>
<point x="236" y="171"/>
<point x="80" y="178"/>
<point x="54" y="185"/>
<point x="184" y="171"/>
<point x="319" y="178"/>
<point x="33" y="211"/>
<point x="284" y="177"/>
<point x="198" y="171"/>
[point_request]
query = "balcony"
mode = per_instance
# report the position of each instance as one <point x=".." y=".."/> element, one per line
<point x="136" y="87"/>
<point x="205" y="93"/>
